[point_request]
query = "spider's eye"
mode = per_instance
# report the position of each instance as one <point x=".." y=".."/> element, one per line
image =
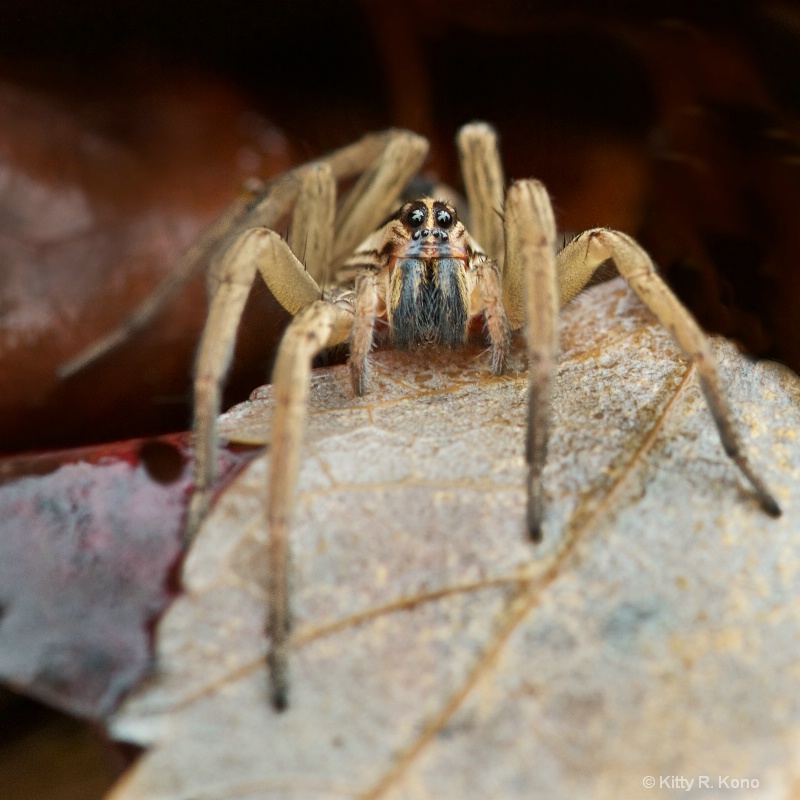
<point x="444" y="219"/>
<point x="416" y="217"/>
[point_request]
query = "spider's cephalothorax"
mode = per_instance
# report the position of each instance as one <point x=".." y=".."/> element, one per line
<point x="423" y="274"/>
<point x="430" y="267"/>
<point x="425" y="264"/>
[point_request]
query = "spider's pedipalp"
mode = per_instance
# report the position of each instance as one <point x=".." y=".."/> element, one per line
<point x="490" y="290"/>
<point x="366" y="305"/>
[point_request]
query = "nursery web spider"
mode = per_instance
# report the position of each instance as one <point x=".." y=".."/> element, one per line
<point x="418" y="269"/>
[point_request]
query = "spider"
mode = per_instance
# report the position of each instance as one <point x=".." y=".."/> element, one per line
<point x="414" y="267"/>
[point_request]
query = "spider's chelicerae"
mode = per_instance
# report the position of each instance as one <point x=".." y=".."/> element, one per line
<point x="419" y="269"/>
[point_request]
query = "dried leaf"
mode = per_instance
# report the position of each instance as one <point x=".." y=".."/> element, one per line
<point x="437" y="652"/>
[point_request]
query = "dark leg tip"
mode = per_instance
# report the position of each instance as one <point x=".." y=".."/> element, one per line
<point x="535" y="517"/>
<point x="195" y="514"/>
<point x="280" y="699"/>
<point x="770" y="505"/>
<point x="359" y="381"/>
<point x="278" y="679"/>
<point x="499" y="364"/>
<point x="535" y="533"/>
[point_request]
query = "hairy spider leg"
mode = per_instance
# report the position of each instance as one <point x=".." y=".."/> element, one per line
<point x="576" y="263"/>
<point x="318" y="325"/>
<point x="530" y="253"/>
<point x="310" y="190"/>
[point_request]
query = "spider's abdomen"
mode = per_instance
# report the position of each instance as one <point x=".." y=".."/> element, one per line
<point x="428" y="302"/>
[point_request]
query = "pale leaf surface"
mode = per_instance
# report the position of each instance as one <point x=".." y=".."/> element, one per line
<point x="438" y="654"/>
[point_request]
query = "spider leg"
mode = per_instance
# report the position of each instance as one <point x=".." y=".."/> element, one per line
<point x="376" y="192"/>
<point x="579" y="259"/>
<point x="311" y="230"/>
<point x="169" y="287"/>
<point x="366" y="307"/>
<point x="256" y="249"/>
<point x="395" y="153"/>
<point x="320" y="325"/>
<point x="482" y="171"/>
<point x="261" y="207"/>
<point x="530" y="263"/>
<point x="274" y="203"/>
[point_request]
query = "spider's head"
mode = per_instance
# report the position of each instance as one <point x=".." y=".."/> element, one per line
<point x="429" y="258"/>
<point x="429" y="229"/>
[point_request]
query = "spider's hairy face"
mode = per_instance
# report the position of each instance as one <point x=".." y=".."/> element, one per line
<point x="429" y="256"/>
<point x="427" y="229"/>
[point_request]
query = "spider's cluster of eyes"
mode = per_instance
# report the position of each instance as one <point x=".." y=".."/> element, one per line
<point x="444" y="219"/>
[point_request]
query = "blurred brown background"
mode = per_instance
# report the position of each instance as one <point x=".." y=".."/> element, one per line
<point x="126" y="127"/>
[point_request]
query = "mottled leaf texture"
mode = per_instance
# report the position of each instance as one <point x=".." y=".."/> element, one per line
<point x="89" y="540"/>
<point x="437" y="653"/>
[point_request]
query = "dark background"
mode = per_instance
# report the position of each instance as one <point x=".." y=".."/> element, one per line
<point x="126" y="127"/>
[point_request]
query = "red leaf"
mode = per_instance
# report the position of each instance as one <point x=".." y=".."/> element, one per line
<point x="89" y="542"/>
